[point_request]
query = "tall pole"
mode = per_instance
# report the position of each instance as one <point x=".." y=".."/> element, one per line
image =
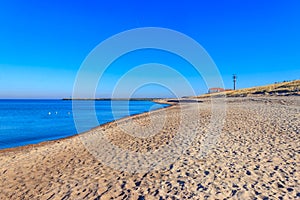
<point x="234" y="80"/>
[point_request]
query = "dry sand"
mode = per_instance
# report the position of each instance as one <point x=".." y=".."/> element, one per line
<point x="256" y="155"/>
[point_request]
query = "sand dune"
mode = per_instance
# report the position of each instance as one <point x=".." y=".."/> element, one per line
<point x="254" y="154"/>
<point x="286" y="88"/>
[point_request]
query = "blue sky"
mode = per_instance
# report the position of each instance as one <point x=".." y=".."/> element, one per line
<point x="43" y="43"/>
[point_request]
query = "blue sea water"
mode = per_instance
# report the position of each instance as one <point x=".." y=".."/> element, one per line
<point x="25" y="122"/>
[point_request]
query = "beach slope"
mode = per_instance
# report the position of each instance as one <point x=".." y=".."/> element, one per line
<point x="255" y="154"/>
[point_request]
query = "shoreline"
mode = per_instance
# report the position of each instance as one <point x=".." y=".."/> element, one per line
<point x="254" y="156"/>
<point x="172" y="102"/>
<point x="31" y="146"/>
<point x="109" y="99"/>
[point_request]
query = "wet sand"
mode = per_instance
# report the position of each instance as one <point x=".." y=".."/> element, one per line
<point x="255" y="154"/>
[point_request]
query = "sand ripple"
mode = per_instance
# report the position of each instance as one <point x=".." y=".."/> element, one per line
<point x="256" y="154"/>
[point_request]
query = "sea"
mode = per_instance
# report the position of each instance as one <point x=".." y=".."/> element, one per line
<point x="24" y="122"/>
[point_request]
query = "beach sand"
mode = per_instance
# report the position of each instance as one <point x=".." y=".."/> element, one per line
<point x="255" y="154"/>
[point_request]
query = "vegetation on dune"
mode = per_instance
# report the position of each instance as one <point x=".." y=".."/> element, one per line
<point x="285" y="88"/>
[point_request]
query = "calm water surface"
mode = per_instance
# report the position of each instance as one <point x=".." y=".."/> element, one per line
<point x="25" y="122"/>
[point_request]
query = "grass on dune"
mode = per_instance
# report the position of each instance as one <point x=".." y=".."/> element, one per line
<point x="284" y="88"/>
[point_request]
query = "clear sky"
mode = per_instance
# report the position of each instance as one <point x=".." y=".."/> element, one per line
<point x="43" y="43"/>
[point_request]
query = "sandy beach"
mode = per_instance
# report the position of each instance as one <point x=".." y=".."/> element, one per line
<point x="254" y="155"/>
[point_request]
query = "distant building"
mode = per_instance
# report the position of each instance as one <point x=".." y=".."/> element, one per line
<point x="214" y="90"/>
